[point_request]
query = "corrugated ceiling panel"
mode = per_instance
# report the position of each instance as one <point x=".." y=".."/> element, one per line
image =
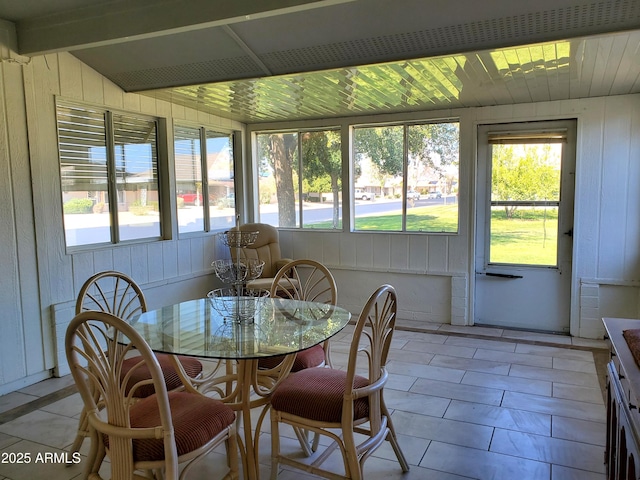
<point x="575" y="68"/>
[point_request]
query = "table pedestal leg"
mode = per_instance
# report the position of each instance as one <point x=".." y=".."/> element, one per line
<point x="250" y="458"/>
<point x="242" y="390"/>
<point x="255" y="391"/>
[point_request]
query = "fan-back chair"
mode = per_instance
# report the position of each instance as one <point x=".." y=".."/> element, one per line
<point x="310" y="281"/>
<point x="322" y="400"/>
<point x="116" y="293"/>
<point x="156" y="433"/>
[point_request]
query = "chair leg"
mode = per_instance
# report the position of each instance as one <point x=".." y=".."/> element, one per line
<point x="393" y="439"/>
<point x="275" y="445"/>
<point x="303" y="439"/>
<point x="95" y="457"/>
<point x="232" y="455"/>
<point x="396" y="448"/>
<point x="316" y="442"/>
<point x="351" y="457"/>
<point x="83" y="432"/>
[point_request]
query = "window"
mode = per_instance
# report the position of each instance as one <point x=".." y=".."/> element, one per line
<point x="300" y="178"/>
<point x="109" y="175"/>
<point x="526" y="176"/>
<point x="205" y="193"/>
<point x="405" y="177"/>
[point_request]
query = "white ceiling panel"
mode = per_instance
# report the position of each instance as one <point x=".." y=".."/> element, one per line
<point x="576" y="68"/>
<point x="270" y="60"/>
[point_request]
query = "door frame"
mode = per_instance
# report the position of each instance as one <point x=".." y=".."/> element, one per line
<point x="573" y="123"/>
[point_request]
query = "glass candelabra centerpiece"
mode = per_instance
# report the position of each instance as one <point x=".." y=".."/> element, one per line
<point x="238" y="272"/>
<point x="236" y="302"/>
<point x="238" y="307"/>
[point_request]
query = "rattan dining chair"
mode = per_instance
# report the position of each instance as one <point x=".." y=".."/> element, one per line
<point x="116" y="293"/>
<point x="323" y="400"/>
<point x="310" y="281"/>
<point x="156" y="433"/>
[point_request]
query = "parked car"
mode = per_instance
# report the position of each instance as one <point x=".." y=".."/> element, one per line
<point x="190" y="198"/>
<point x="360" y="194"/>
<point x="434" y="195"/>
<point x="413" y="195"/>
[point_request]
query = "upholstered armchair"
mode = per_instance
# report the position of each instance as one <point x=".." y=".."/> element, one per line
<point x="266" y="248"/>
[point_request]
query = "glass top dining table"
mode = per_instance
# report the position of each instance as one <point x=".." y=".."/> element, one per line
<point x="235" y="333"/>
<point x="209" y="328"/>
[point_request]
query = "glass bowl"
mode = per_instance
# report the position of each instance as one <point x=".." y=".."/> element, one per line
<point x="237" y="272"/>
<point x="237" y="307"/>
<point x="238" y="238"/>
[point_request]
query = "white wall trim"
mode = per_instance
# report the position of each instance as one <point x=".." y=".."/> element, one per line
<point x="610" y="281"/>
<point x="395" y="270"/>
<point x="24" y="382"/>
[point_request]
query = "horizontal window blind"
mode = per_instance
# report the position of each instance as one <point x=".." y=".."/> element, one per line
<point x="505" y="138"/>
<point x="83" y="151"/>
<point x="109" y="175"/>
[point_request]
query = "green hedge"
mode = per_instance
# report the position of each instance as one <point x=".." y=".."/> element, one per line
<point x="78" y="205"/>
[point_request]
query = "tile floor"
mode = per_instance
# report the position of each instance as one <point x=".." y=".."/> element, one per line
<point x="468" y="402"/>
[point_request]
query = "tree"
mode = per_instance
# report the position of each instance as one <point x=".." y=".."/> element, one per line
<point x="524" y="173"/>
<point x="322" y="164"/>
<point x="433" y="145"/>
<point x="436" y="145"/>
<point x="383" y="145"/>
<point x="281" y="152"/>
<point x="431" y="148"/>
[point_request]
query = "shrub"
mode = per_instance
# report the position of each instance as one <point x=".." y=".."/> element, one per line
<point x="99" y="207"/>
<point x="78" y="205"/>
<point x="180" y="202"/>
<point x="138" y="209"/>
<point x="267" y="192"/>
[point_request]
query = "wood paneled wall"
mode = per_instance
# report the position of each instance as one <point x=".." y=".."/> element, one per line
<point x="40" y="278"/>
<point x="606" y="224"/>
<point x="434" y="274"/>
<point x="25" y="342"/>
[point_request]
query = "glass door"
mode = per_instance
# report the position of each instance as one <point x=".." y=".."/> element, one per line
<point x="524" y="229"/>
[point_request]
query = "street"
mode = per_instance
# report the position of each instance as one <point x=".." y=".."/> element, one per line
<point x="87" y="229"/>
<point x="323" y="212"/>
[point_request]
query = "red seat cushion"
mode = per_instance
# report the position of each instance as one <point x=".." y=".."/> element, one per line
<point x="192" y="367"/>
<point x="196" y="419"/>
<point x="317" y="394"/>
<point x="311" y="357"/>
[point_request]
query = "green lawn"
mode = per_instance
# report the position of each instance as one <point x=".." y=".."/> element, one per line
<point x="520" y="239"/>
<point x="528" y="238"/>
<point x="422" y="219"/>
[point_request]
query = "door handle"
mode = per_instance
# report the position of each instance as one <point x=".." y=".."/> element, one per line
<point x="569" y="233"/>
<point x="502" y="275"/>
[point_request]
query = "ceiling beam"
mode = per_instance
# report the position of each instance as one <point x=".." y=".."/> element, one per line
<point x="122" y="21"/>
<point x="241" y="43"/>
<point x="8" y="39"/>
